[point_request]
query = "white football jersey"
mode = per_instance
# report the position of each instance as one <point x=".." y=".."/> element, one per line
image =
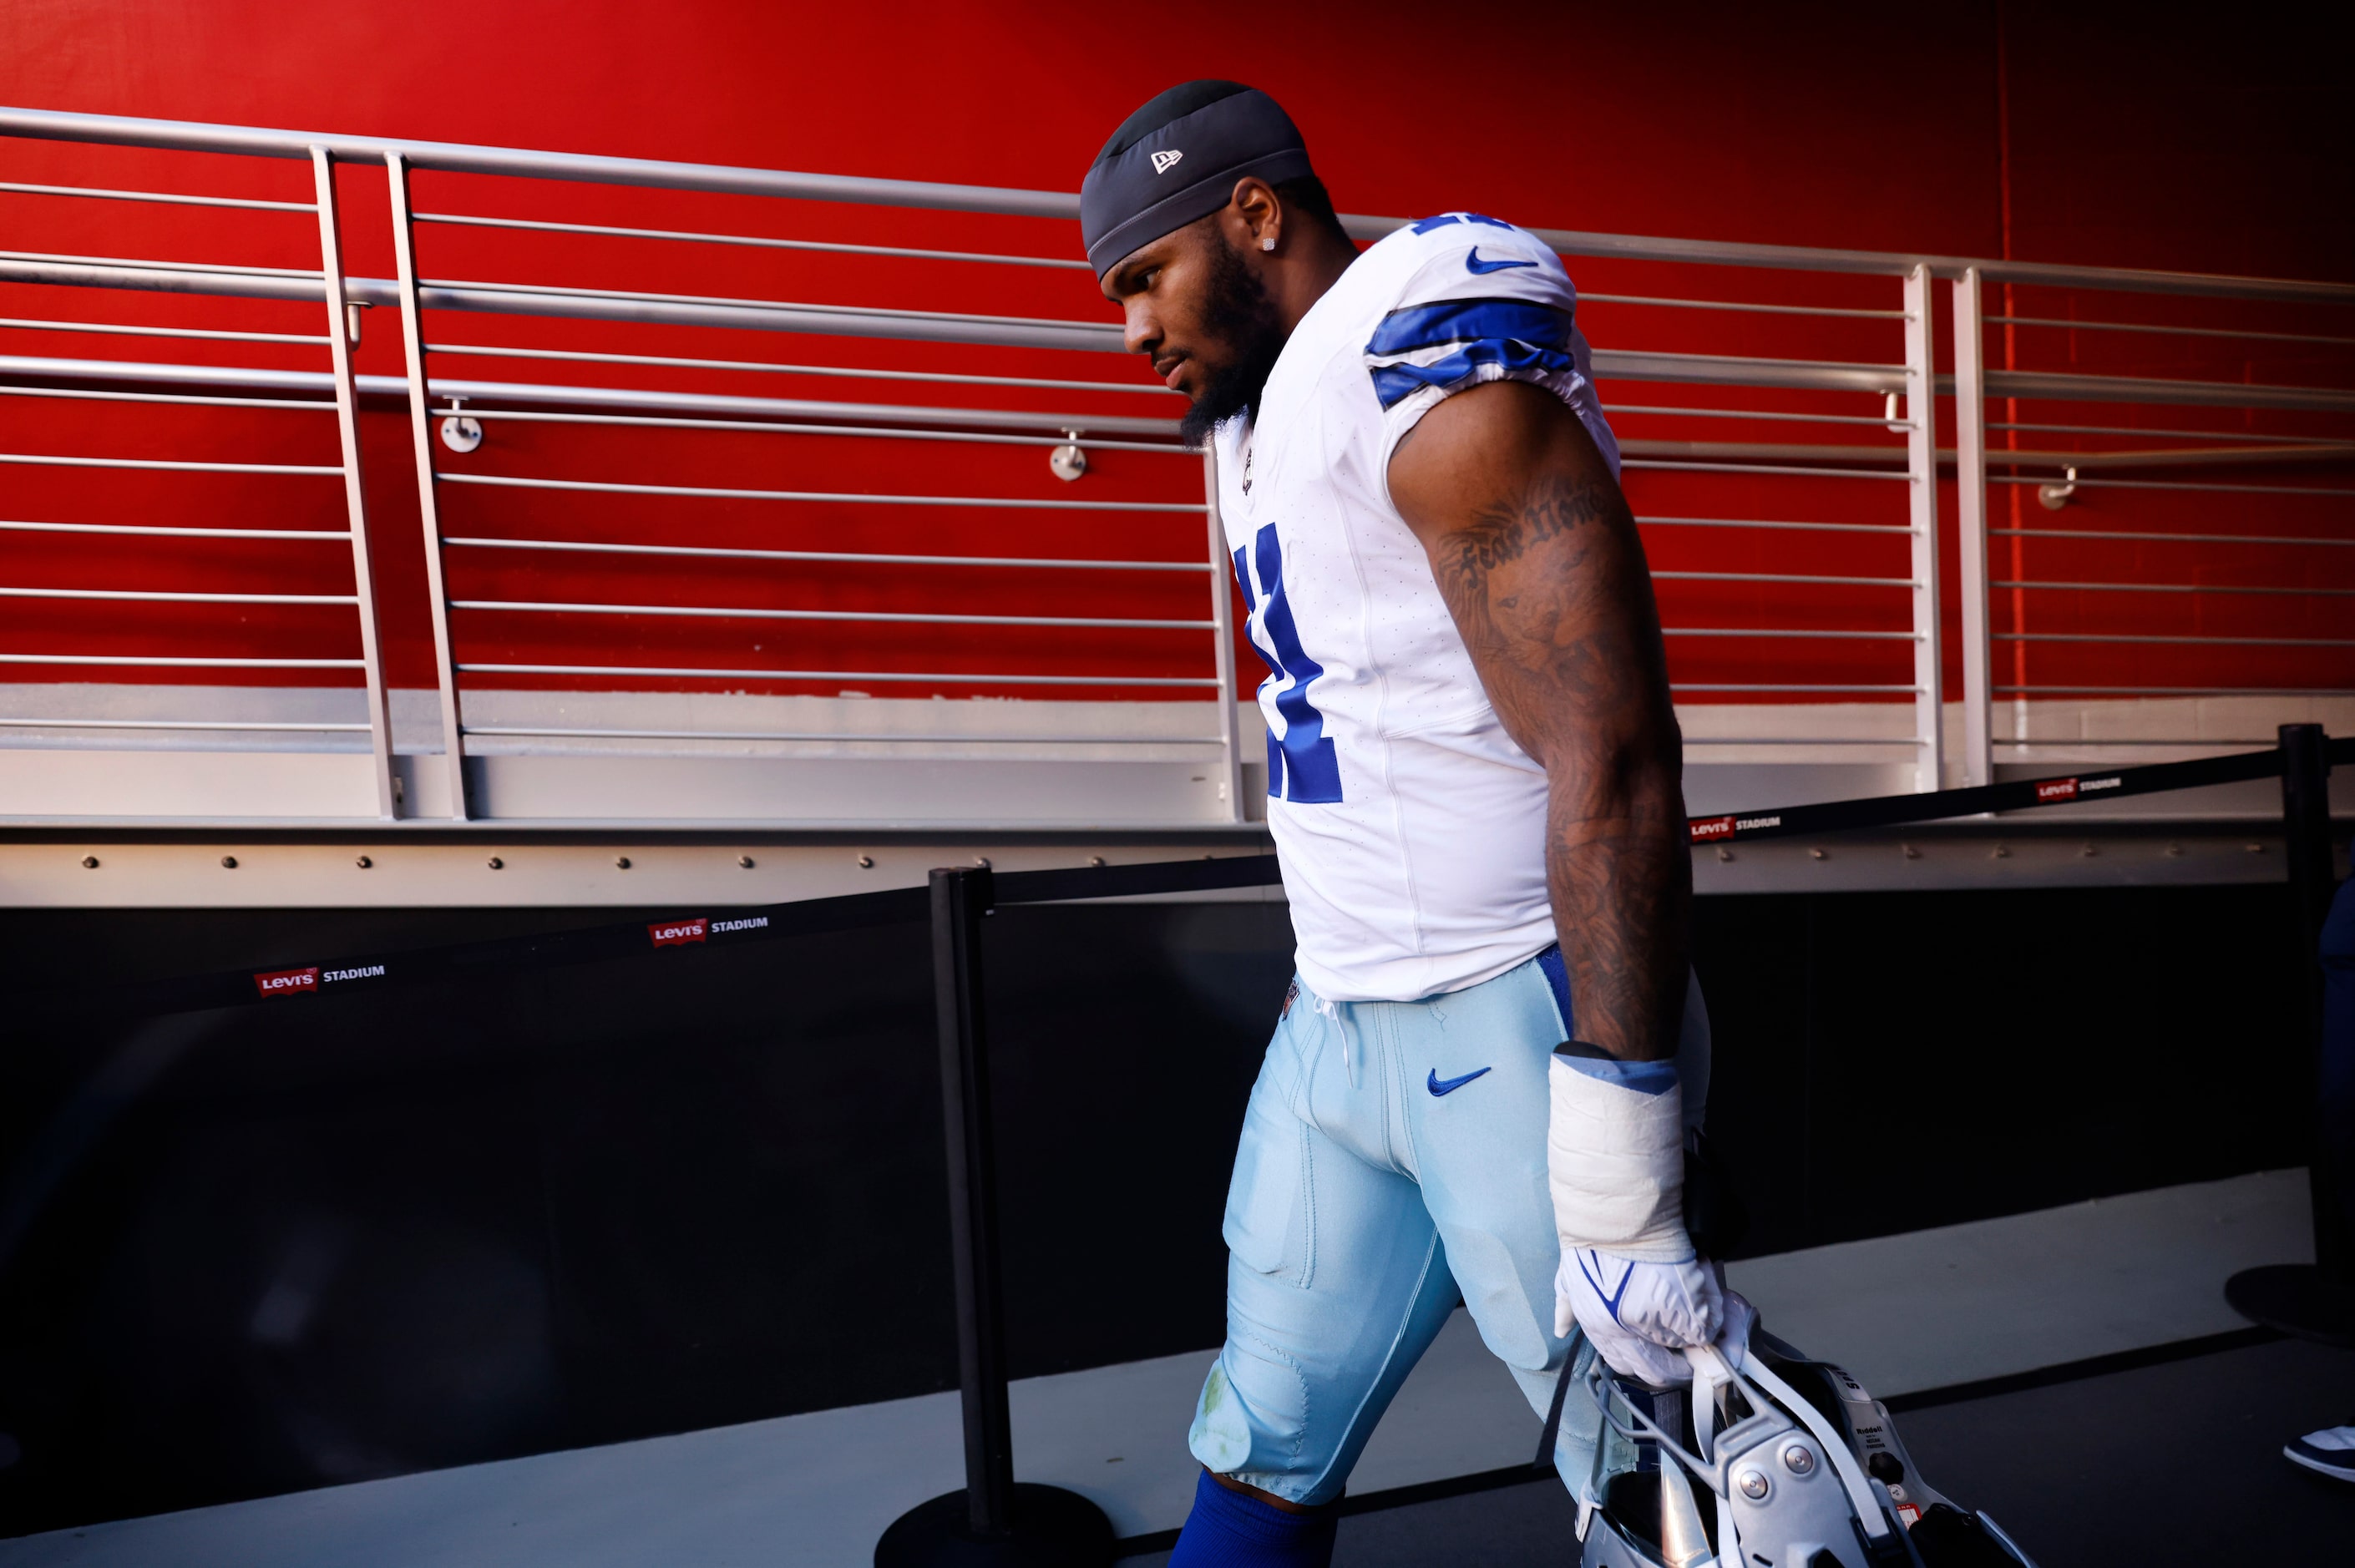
<point x="1409" y="826"/>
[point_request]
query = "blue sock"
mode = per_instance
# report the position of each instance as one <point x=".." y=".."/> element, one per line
<point x="1228" y="1528"/>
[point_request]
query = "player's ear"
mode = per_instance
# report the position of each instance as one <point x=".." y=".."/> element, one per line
<point x="1256" y="214"/>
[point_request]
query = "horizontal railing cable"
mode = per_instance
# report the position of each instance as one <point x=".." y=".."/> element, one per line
<point x="2074" y="326"/>
<point x="2201" y="641"/>
<point x="273" y="725"/>
<point x="2182" y="435"/>
<point x="174" y="532"/>
<point x="845" y="736"/>
<point x="190" y="398"/>
<point x="2103" y="481"/>
<point x="52" y="459"/>
<point x="936" y="678"/>
<point x="853" y="556"/>
<point x="851" y="497"/>
<point x="168" y="197"/>
<point x="2070" y="535"/>
<point x="758" y="427"/>
<point x="743" y="612"/>
<point x="835" y="247"/>
<point x="121" y="328"/>
<point x="181" y="661"/>
<point x="2167" y="587"/>
<point x="1749" y="306"/>
<point x="1753" y="523"/>
<point x="160" y="597"/>
<point x="771" y="367"/>
<point x="1616" y="409"/>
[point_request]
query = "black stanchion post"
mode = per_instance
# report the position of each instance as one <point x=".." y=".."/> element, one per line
<point x="2316" y="1300"/>
<point x="993" y="1522"/>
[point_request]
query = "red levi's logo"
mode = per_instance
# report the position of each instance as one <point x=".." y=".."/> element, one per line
<point x="671" y="933"/>
<point x="288" y="982"/>
<point x="2056" y="789"/>
<point x="1706" y="828"/>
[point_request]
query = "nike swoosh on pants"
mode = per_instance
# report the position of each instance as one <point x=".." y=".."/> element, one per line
<point x="1438" y="1085"/>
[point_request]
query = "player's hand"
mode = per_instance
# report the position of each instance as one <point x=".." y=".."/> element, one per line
<point x="1640" y="1315"/>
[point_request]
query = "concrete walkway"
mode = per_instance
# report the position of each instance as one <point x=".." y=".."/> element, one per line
<point x="1908" y="1312"/>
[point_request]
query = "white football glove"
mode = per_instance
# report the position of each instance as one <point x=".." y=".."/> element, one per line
<point x="1614" y="1163"/>
<point x="1640" y="1315"/>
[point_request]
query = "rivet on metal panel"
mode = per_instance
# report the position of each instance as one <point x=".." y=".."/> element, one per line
<point x="2175" y="851"/>
<point x="1092" y="860"/>
<point x="364" y="862"/>
<point x="982" y="862"/>
<point x="494" y="863"/>
<point x="2088" y="851"/>
<point x="866" y="863"/>
<point x="1910" y="853"/>
<point x="621" y="863"/>
<point x="745" y="860"/>
<point x="1818" y="854"/>
<point x="229" y="863"/>
<point x="2001" y="852"/>
<point x="1723" y="853"/>
<point x="89" y="863"/>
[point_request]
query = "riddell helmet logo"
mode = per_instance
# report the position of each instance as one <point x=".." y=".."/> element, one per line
<point x="287" y="982"/>
<point x="1163" y="162"/>
<point x="671" y="933"/>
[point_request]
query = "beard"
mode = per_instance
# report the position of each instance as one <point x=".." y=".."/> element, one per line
<point x="1238" y="313"/>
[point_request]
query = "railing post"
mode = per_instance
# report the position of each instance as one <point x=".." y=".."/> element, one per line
<point x="347" y="428"/>
<point x="2316" y="1300"/>
<point x="1921" y="468"/>
<point x="421" y="429"/>
<point x="1231" y="776"/>
<point x="1971" y="525"/>
<point x="992" y="1521"/>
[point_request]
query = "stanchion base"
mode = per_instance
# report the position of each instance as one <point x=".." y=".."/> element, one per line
<point x="2296" y="1300"/>
<point x="1052" y="1528"/>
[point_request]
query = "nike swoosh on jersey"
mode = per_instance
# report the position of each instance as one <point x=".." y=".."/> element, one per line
<point x="1439" y="1086"/>
<point x="1472" y="262"/>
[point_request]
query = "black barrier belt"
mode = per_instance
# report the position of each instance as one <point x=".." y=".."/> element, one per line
<point x="813" y="916"/>
<point x="2012" y="795"/>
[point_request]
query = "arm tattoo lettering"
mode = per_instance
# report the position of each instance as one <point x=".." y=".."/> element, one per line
<point x="1549" y="590"/>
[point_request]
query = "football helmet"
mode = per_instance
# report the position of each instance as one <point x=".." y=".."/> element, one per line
<point x="1768" y="1457"/>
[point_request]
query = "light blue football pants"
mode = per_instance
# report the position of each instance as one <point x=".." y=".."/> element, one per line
<point x="1393" y="1155"/>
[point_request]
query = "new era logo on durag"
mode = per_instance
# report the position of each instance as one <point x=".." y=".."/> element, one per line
<point x="1163" y="162"/>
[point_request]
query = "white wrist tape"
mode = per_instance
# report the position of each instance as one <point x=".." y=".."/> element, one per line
<point x="1615" y="1158"/>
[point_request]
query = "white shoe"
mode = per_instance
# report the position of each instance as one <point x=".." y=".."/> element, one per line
<point x="2330" y="1452"/>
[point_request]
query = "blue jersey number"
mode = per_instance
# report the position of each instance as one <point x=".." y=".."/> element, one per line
<point x="1301" y="765"/>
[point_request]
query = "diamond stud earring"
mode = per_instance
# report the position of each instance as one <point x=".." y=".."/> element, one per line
<point x="1267" y="242"/>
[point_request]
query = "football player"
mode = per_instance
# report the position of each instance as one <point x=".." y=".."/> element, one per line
<point x="1482" y="1079"/>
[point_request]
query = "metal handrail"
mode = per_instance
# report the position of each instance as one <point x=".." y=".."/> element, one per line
<point x="136" y="131"/>
<point x="1915" y="462"/>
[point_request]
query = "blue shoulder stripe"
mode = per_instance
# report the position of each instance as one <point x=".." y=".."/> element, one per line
<point x="1515" y="361"/>
<point x="1463" y="321"/>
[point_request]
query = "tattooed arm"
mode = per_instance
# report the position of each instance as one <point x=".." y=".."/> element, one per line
<point x="1537" y="556"/>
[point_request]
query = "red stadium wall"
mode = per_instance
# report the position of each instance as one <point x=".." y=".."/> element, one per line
<point x="1987" y="131"/>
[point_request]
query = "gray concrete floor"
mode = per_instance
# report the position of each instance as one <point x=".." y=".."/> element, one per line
<point x="2162" y="1466"/>
<point x="1921" y="1310"/>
